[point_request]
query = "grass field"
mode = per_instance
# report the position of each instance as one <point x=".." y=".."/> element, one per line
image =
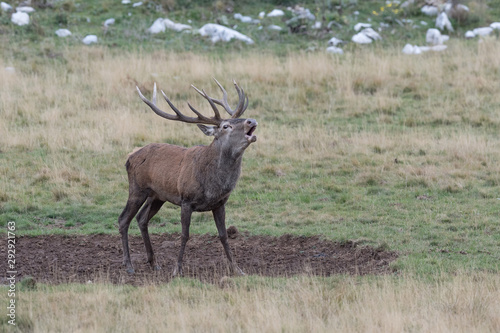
<point x="376" y="147"/>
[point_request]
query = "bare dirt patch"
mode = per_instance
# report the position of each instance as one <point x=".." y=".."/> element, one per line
<point x="83" y="258"/>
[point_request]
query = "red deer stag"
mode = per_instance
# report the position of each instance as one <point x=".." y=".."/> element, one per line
<point x="197" y="179"/>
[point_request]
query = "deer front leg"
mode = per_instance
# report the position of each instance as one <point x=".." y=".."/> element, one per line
<point x="186" y="212"/>
<point x="220" y="221"/>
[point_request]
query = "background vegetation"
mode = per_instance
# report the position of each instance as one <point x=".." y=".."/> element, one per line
<point x="376" y="147"/>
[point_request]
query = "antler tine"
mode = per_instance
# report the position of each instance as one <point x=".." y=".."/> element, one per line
<point x="242" y="102"/>
<point x="224" y="102"/>
<point x="179" y="116"/>
<point x="209" y="99"/>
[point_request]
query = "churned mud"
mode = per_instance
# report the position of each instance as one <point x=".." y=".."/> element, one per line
<point x="84" y="258"/>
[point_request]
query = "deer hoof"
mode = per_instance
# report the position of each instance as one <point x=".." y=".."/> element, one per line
<point x="177" y="272"/>
<point x="156" y="268"/>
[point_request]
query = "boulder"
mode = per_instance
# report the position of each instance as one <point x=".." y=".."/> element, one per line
<point x="20" y="18"/>
<point x="221" y="33"/>
<point x="276" y="13"/>
<point x="63" y="32"/>
<point x="89" y="39"/>
<point x="442" y="22"/>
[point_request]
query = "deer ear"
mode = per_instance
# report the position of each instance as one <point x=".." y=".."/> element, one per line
<point x="208" y="130"/>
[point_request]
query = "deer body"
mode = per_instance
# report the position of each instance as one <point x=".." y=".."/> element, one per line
<point x="197" y="179"/>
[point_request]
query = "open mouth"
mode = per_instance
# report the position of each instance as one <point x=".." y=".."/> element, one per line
<point x="250" y="136"/>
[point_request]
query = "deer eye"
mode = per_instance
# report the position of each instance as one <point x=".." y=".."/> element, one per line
<point x="225" y="126"/>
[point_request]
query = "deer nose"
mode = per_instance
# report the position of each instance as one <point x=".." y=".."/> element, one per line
<point x="251" y="122"/>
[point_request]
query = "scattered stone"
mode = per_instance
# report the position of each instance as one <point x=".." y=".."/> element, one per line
<point x="274" y="27"/>
<point x="361" y="38"/>
<point x="109" y="22"/>
<point x="89" y="39"/>
<point x="161" y="24"/>
<point x="484" y="31"/>
<point x="276" y="13"/>
<point x="443" y="21"/>
<point x="430" y="10"/>
<point x="495" y="25"/>
<point x="137" y="4"/>
<point x="334" y="50"/>
<point x="245" y="19"/>
<point x="360" y="26"/>
<point x="20" y="18"/>
<point x="25" y="9"/>
<point x="433" y="37"/>
<point x="221" y="33"/>
<point x="470" y="34"/>
<point x="63" y="33"/>
<point x="5" y="7"/>
<point x="10" y="69"/>
<point x="302" y="13"/>
<point x="334" y="41"/>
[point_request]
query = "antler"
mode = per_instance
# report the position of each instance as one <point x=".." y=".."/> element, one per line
<point x="200" y="119"/>
<point x="242" y="102"/>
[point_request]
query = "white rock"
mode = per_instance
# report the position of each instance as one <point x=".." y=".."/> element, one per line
<point x="438" y="48"/>
<point x="371" y="33"/>
<point x="262" y="15"/>
<point x="89" y="39"/>
<point x="408" y="49"/>
<point x="334" y="41"/>
<point x="361" y="38"/>
<point x="125" y="2"/>
<point x="334" y="50"/>
<point x="176" y="26"/>
<point x="485" y="31"/>
<point x="157" y="27"/>
<point x="423" y="23"/>
<point x="470" y="34"/>
<point x="302" y="13"/>
<point x="412" y="49"/>
<point x="276" y="13"/>
<point x="424" y="48"/>
<point x="495" y="25"/>
<point x="5" y="7"/>
<point x="20" y="18"/>
<point x="10" y="69"/>
<point x="63" y="32"/>
<point x="317" y="25"/>
<point x="244" y="19"/>
<point x="164" y="23"/>
<point x="137" y="4"/>
<point x="442" y="21"/>
<point x="275" y="27"/>
<point x="359" y="26"/>
<point x="109" y="22"/>
<point x="445" y="38"/>
<point x="430" y="10"/>
<point x="221" y="33"/>
<point x="25" y="9"/>
<point x="433" y="37"/>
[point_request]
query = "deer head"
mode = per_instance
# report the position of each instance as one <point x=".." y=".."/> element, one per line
<point x="231" y="133"/>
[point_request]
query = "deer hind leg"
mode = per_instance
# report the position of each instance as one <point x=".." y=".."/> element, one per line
<point x="186" y="212"/>
<point x="147" y="212"/>
<point x="134" y="202"/>
<point x="220" y="221"/>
